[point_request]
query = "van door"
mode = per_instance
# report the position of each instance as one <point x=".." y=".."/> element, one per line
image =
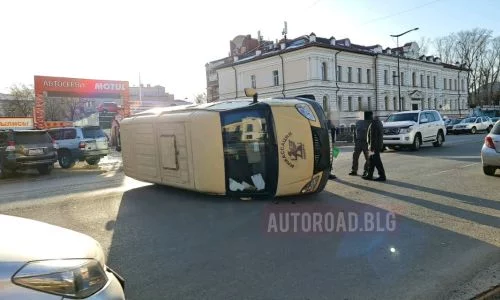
<point x="173" y="154"/>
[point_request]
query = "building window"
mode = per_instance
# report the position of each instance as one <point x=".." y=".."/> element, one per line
<point x="429" y="103"/>
<point x="254" y="83"/>
<point x="403" y="104"/>
<point x="414" y="79"/>
<point x="349" y="103"/>
<point x="369" y="100"/>
<point x="421" y="80"/>
<point x="394" y="78"/>
<point x="360" y="103"/>
<point x="444" y="84"/>
<point x="455" y="84"/>
<point x="368" y="76"/>
<point x="276" y="78"/>
<point x="359" y="75"/>
<point x="386" y="75"/>
<point x="394" y="103"/>
<point x="428" y="81"/>
<point x="349" y="74"/>
<point x="434" y="82"/>
<point x="339" y="103"/>
<point x="386" y="103"/>
<point x="463" y="85"/>
<point x="339" y="73"/>
<point x="435" y="103"/>
<point x="402" y="77"/>
<point x="325" y="103"/>
<point x="449" y="86"/>
<point x="249" y="127"/>
<point x="324" y="71"/>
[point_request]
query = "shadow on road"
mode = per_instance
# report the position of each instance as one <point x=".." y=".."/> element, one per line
<point x="175" y="244"/>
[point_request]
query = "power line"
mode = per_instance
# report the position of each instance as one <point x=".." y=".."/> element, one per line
<point x="401" y="12"/>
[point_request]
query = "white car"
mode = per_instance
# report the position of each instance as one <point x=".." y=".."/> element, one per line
<point x="43" y="261"/>
<point x="473" y="125"/>
<point x="490" y="153"/>
<point x="413" y="128"/>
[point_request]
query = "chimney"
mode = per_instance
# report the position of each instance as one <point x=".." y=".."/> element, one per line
<point x="332" y="41"/>
<point x="283" y="46"/>
<point x="312" y="38"/>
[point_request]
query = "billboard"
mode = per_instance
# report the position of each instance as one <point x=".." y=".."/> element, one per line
<point x="47" y="86"/>
<point x="16" y="123"/>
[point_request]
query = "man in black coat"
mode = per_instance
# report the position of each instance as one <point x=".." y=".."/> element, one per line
<point x="360" y="144"/>
<point x="375" y="139"/>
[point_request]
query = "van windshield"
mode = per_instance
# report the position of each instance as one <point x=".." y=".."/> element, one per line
<point x="403" y="117"/>
<point x="246" y="142"/>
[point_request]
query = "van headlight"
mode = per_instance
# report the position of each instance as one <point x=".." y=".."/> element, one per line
<point x="305" y="111"/>
<point x="74" y="278"/>
<point x="406" y="130"/>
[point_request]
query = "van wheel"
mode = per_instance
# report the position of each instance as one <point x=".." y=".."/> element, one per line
<point x="45" y="169"/>
<point x="439" y="140"/>
<point x="489" y="170"/>
<point x="416" y="143"/>
<point x="473" y="130"/>
<point x="93" y="161"/>
<point x="66" y="161"/>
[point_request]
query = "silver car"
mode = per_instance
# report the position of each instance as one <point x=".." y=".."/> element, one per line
<point x="490" y="153"/>
<point x="42" y="261"/>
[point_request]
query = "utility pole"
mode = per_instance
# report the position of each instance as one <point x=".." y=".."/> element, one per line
<point x="399" y="72"/>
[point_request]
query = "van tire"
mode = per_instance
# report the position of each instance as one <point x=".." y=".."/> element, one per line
<point x="417" y="142"/>
<point x="439" y="140"/>
<point x="93" y="161"/>
<point x="66" y="161"/>
<point x="45" y="169"/>
<point x="489" y="170"/>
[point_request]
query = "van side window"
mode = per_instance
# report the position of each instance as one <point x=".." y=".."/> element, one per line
<point x="56" y="134"/>
<point x="69" y="134"/>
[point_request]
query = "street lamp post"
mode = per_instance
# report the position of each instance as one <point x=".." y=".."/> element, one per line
<point x="399" y="72"/>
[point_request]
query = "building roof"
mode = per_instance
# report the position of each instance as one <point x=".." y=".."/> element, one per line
<point x="306" y="41"/>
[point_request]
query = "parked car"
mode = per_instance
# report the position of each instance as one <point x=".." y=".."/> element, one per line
<point x="26" y="149"/>
<point x="43" y="261"/>
<point x="473" y="125"/>
<point x="450" y="124"/>
<point x="490" y="153"/>
<point x="107" y="107"/>
<point x="412" y="128"/>
<point x="495" y="119"/>
<point x="88" y="143"/>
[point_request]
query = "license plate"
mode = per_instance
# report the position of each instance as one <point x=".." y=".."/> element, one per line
<point x="35" y="151"/>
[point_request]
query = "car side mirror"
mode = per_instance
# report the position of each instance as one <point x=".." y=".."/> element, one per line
<point x="423" y="121"/>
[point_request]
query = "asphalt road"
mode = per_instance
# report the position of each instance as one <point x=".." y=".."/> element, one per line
<point x="173" y="244"/>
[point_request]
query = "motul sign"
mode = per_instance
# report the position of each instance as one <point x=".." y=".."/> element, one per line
<point x="110" y="86"/>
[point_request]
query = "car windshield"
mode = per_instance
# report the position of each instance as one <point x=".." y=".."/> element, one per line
<point x="32" y="137"/>
<point x="468" y="120"/>
<point x="403" y="117"/>
<point x="496" y="128"/>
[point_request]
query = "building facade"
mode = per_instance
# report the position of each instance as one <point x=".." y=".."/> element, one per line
<point x="346" y="78"/>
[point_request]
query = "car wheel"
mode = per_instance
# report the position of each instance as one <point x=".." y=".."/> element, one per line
<point x="45" y="169"/>
<point x="439" y="140"/>
<point x="473" y="130"/>
<point x="416" y="143"/>
<point x="489" y="170"/>
<point x="93" y="161"/>
<point x="66" y="161"/>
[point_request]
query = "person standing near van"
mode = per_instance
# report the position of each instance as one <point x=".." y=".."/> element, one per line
<point x="333" y="133"/>
<point x="360" y="144"/>
<point x="374" y="137"/>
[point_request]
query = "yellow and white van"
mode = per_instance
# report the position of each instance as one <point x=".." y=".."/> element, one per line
<point x="246" y="148"/>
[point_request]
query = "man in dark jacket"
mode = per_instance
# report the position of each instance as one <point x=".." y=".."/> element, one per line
<point x="360" y="144"/>
<point x="375" y="139"/>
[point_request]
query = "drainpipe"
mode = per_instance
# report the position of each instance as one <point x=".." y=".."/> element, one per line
<point x="337" y="78"/>
<point x="235" y="81"/>
<point x="459" y="87"/>
<point x="376" y="83"/>
<point x="283" y="72"/>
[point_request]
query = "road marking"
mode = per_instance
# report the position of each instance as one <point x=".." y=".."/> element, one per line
<point x="453" y="169"/>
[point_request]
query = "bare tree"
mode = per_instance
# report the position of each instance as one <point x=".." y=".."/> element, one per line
<point x="23" y="101"/>
<point x="201" y="98"/>
<point x="424" y="45"/>
<point x="54" y="109"/>
<point x="444" y="47"/>
<point x="72" y="107"/>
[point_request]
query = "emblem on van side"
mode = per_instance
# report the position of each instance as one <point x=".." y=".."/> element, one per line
<point x="291" y="151"/>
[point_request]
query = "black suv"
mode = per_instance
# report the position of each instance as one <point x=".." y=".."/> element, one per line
<point x="26" y="149"/>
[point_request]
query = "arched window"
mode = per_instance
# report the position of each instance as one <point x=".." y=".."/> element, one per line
<point x="435" y="103"/>
<point x="339" y="103"/>
<point x="429" y="103"/>
<point x="386" y="103"/>
<point x="360" y="103"/>
<point x="324" y="71"/>
<point x="394" y="103"/>
<point x="403" y="104"/>
<point x="414" y="78"/>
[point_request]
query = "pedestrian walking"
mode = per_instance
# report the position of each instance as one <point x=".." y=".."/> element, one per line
<point x="333" y="133"/>
<point x="374" y="137"/>
<point x="360" y="144"/>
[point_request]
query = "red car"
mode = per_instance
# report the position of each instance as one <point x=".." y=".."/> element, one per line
<point x="107" y="107"/>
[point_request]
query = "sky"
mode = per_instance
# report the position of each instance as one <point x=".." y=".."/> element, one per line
<point x="169" y="42"/>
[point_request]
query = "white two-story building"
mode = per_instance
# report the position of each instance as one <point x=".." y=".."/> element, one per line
<point x="345" y="78"/>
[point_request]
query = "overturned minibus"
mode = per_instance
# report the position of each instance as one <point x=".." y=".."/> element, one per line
<point x="244" y="148"/>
